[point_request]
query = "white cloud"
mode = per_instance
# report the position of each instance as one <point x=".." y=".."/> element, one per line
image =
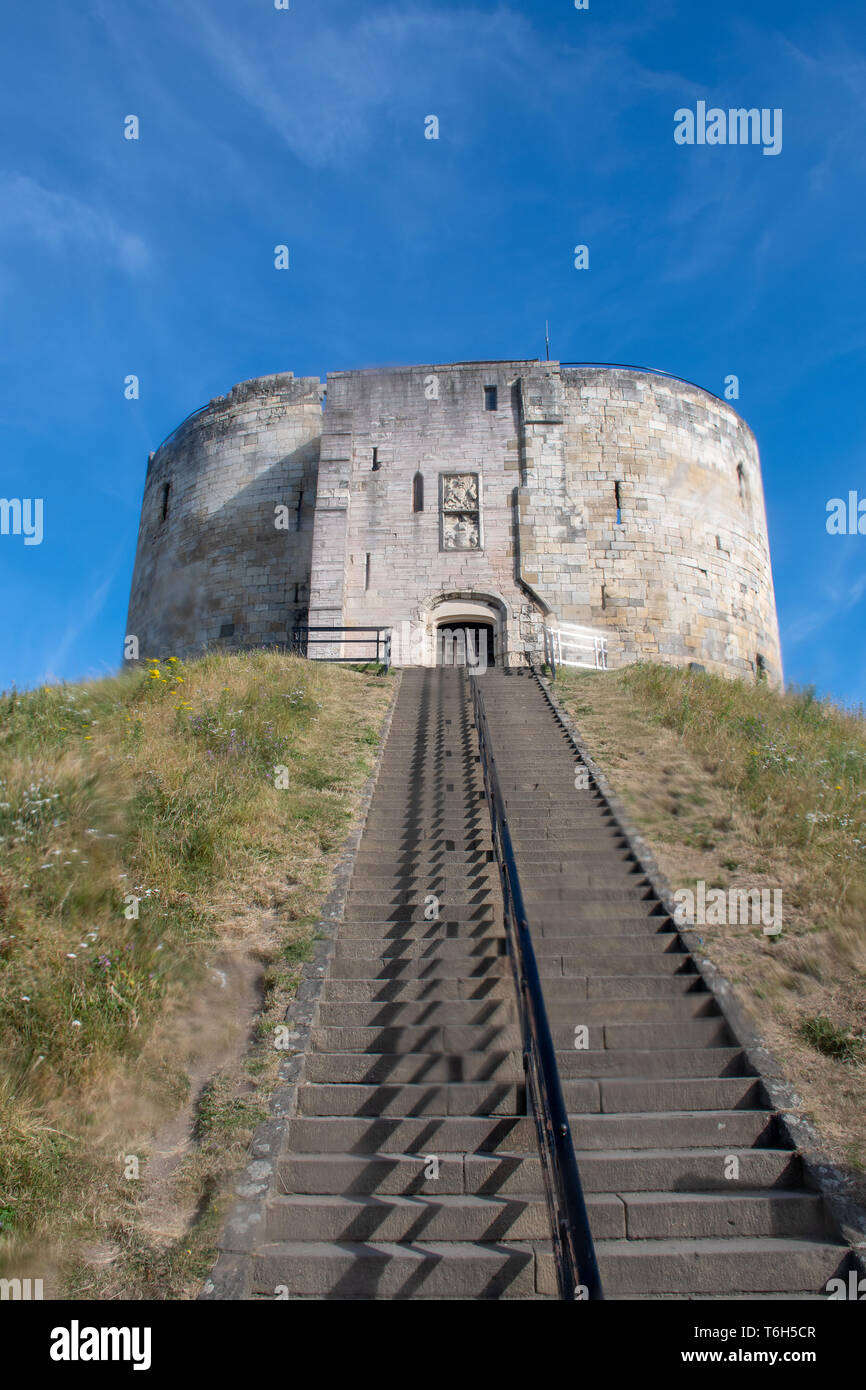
<point x="323" y="89"/>
<point x="58" y="219"/>
<point x="86" y="613"/>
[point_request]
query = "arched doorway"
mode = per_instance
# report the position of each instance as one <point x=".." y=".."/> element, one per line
<point x="464" y="630"/>
<point x="464" y="643"/>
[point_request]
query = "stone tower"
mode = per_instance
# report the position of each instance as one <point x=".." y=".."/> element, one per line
<point x="511" y="495"/>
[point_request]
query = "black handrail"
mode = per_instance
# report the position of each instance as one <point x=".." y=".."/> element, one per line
<point x="573" y="1249"/>
<point x="301" y="641"/>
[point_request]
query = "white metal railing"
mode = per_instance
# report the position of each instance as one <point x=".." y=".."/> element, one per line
<point x="568" y="645"/>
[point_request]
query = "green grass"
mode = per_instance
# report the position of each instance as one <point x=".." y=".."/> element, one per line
<point x="143" y="827"/>
<point x="839" y="1043"/>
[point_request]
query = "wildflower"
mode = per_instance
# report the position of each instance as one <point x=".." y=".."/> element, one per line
<point x="76" y="1023"/>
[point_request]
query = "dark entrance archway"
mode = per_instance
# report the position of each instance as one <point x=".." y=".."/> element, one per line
<point x="464" y="644"/>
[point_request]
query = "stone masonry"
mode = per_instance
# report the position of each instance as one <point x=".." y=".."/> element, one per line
<point x="513" y="494"/>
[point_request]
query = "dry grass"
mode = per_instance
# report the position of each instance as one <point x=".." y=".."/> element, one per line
<point x="741" y="786"/>
<point x="156" y="786"/>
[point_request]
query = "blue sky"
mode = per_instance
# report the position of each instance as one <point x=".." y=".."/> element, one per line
<point x="306" y="127"/>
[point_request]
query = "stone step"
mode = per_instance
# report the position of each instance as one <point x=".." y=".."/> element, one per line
<point x="424" y="1135"/>
<point x="780" y="1212"/>
<point x="573" y="933"/>
<point x="742" y="1265"/>
<point x="683" y="1170"/>
<point x="710" y="1033"/>
<point x="471" y="1098"/>
<point x="419" y="1068"/>
<point x="442" y="930"/>
<point x="679" y="1063"/>
<point x="396" y="844"/>
<point x="591" y="901"/>
<point x="561" y="989"/>
<point x="389" y="1174"/>
<point x="611" y="962"/>
<point x="432" y="1270"/>
<point x="684" y="1129"/>
<point x="444" y="948"/>
<point x="576" y="858"/>
<point x="628" y="1096"/>
<point x="463" y="967"/>
<point x="479" y="909"/>
<point x="406" y="887"/>
<point x="593" y="945"/>
<point x="399" y="990"/>
<point x="408" y="1219"/>
<point x="623" y="876"/>
<point x="452" y="1040"/>
<point x="416" y="1013"/>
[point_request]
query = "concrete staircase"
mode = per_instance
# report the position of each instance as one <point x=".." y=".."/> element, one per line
<point x="410" y="1169"/>
<point x="661" y="1099"/>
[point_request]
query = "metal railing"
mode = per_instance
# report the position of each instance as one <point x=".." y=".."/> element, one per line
<point x="573" y="1249"/>
<point x="568" y="645"/>
<point x="378" y="639"/>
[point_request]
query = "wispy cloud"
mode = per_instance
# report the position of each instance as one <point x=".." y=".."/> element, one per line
<point x="840" y="592"/>
<point x="58" y="220"/>
<point x="325" y="92"/>
<point x="85" y="615"/>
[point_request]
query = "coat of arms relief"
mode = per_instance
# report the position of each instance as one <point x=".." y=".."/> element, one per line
<point x="461" y="519"/>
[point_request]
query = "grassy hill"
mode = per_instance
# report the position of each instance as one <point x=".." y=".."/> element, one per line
<point x="159" y="886"/>
<point x="740" y="786"/>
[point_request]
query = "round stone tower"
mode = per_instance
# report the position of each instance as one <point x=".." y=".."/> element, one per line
<point x="510" y="496"/>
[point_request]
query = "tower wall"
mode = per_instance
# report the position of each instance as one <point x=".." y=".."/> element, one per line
<point x="429" y="421"/>
<point x="684" y="574"/>
<point x="212" y="568"/>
